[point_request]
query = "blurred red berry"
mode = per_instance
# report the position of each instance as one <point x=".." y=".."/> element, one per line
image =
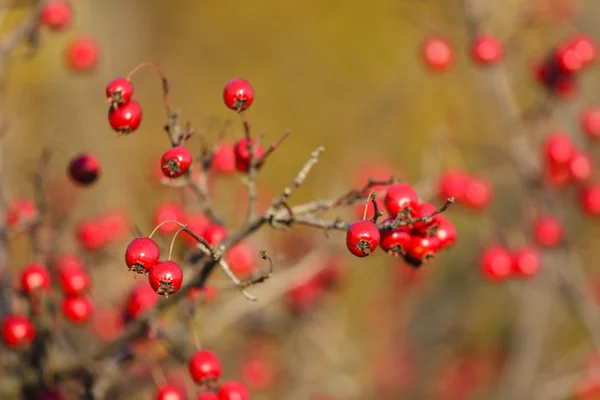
<point x="83" y="54"/>
<point x="207" y="396"/>
<point x="445" y="232"/>
<point x="168" y="211"/>
<point x="589" y="199"/>
<point x="581" y="167"/>
<point x="478" y="193"/>
<point x="590" y="122"/>
<point x="107" y="323"/>
<point x="437" y="53"/>
<point x="165" y="278"/>
<point x="257" y="372"/>
<point x="196" y="223"/>
<point x="558" y="175"/>
<point x="84" y="169"/>
<point x="74" y="280"/>
<point x="423" y="248"/>
<point x="238" y="94"/>
<point x="125" y="118"/>
<point x="21" y="213"/>
<point x="453" y="183"/>
<point x="214" y="234"/>
<point x="242" y="155"/>
<point x="116" y="225"/>
<point x="34" y="277"/>
<point x="526" y="262"/>
<point x="233" y="391"/>
<point x="77" y="309"/>
<point x="223" y="161"/>
<point x="584" y="48"/>
<point x="559" y="149"/>
<point x="56" y="15"/>
<point x="242" y="259"/>
<point x="487" y="50"/>
<point x="141" y="299"/>
<point x="423" y="210"/>
<point x="17" y="331"/>
<point x="304" y="295"/>
<point x="170" y="392"/>
<point x="496" y="263"/>
<point x="548" y="231"/>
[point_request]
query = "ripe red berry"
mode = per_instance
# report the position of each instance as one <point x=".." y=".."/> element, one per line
<point x="397" y="241"/>
<point x="589" y="199"/>
<point x="557" y="175"/>
<point x="204" y="367"/>
<point x="445" y="232"/>
<point x="175" y="161"/>
<point x="56" y="15"/>
<point x="233" y="391"/>
<point x="214" y="234"/>
<point x="422" y="248"/>
<point x="223" y="160"/>
<point x="125" y="118"/>
<point x="238" y="94"/>
<point x="362" y="238"/>
<point x="422" y="210"/>
<point x="92" y="234"/>
<point x="169" y="392"/>
<point x="526" y="262"/>
<point x="142" y="255"/>
<point x="207" y="396"/>
<point x="453" y="183"/>
<point x="84" y="169"/>
<point x="581" y="167"/>
<point x="83" y="54"/>
<point x="119" y="91"/>
<point x="77" y="309"/>
<point x="17" y="331"/>
<point x="116" y="225"/>
<point x="437" y="53"/>
<point x="584" y="47"/>
<point x="34" y="277"/>
<point x="559" y="149"/>
<point x="166" y="278"/>
<point x="242" y="259"/>
<point x="548" y="231"/>
<point x="478" y="193"/>
<point x="487" y="50"/>
<point x="141" y="299"/>
<point x="400" y="198"/>
<point x="168" y="211"/>
<point x="590" y="122"/>
<point x="21" y="213"/>
<point x="196" y="223"/>
<point x="567" y="59"/>
<point x="496" y="263"/>
<point x="74" y="280"/>
<point x="242" y="155"/>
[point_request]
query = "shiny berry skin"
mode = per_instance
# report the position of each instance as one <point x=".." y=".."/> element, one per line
<point x="169" y="211"/>
<point x="559" y="149"/>
<point x="238" y="94"/>
<point x="242" y="259"/>
<point x="590" y="122"/>
<point x="233" y="391"/>
<point x="487" y="50"/>
<point x="125" y="118"/>
<point x="527" y="262"/>
<point x="214" y="234"/>
<point x="478" y="193"/>
<point x="119" y="91"/>
<point x="56" y="15"/>
<point x="17" y="331"/>
<point x="423" y="248"/>
<point x="175" y="161"/>
<point x="84" y="169"/>
<point x="548" y="231"/>
<point x="581" y="167"/>
<point x="399" y="198"/>
<point x="141" y="255"/>
<point x="422" y="210"/>
<point x="589" y="199"/>
<point x="453" y="183"/>
<point x="445" y="232"/>
<point x="92" y="234"/>
<point x="74" y="280"/>
<point x="34" y="277"/>
<point x="207" y="396"/>
<point x="141" y="299"/>
<point x="21" y="213"/>
<point x="395" y="242"/>
<point x="77" y="309"/>
<point x="196" y="223"/>
<point x="437" y="53"/>
<point x="165" y="278"/>
<point x="169" y="392"/>
<point x="223" y="160"/>
<point x="362" y="238"/>
<point x="242" y="155"/>
<point x="83" y="54"/>
<point x="204" y="366"/>
<point x="496" y="263"/>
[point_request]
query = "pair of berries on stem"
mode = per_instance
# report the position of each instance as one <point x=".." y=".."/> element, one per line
<point x="205" y="369"/>
<point x="124" y="114"/>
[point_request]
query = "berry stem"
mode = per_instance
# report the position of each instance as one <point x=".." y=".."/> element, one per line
<point x="184" y="227"/>
<point x="163" y="76"/>
<point x="371" y="198"/>
<point x="162" y="223"/>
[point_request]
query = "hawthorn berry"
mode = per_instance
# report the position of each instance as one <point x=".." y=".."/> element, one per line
<point x="165" y="278"/>
<point x="119" y="91"/>
<point x="168" y="211"/>
<point x="589" y="199"/>
<point x="238" y="94"/>
<point x="395" y="241"/>
<point x="56" y="15"/>
<point x="559" y="149"/>
<point x="34" y="277"/>
<point x="478" y="193"/>
<point x="590" y="122"/>
<point x="116" y="225"/>
<point x="205" y="367"/>
<point x="214" y="234"/>
<point x="74" y="280"/>
<point x="141" y="299"/>
<point x="84" y="169"/>
<point x="422" y="249"/>
<point x="437" y="53"/>
<point x="83" y="54"/>
<point x="400" y="198"/>
<point x="422" y="210"/>
<point x="567" y="59"/>
<point x="558" y="175"/>
<point x="125" y="118"/>
<point x="362" y="238"/>
<point x="445" y="232"/>
<point x="548" y="231"/>
<point x="169" y="392"/>
<point x="487" y="50"/>
<point x="584" y="48"/>
<point x="496" y="263"/>
<point x="21" y="213"/>
<point x="175" y="161"/>
<point x="92" y="234"/>
<point x="526" y="262"/>
<point x="77" y="309"/>
<point x="581" y="167"/>
<point x="207" y="396"/>
<point x="17" y="331"/>
<point x="233" y="391"/>
<point x="453" y="183"/>
<point x="242" y="155"/>
<point x="223" y="159"/>
<point x="142" y="255"/>
<point x="196" y="223"/>
<point x="241" y="259"/>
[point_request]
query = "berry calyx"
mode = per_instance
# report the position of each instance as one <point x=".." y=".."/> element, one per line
<point x="119" y="91"/>
<point x="487" y="50"/>
<point x="126" y="118"/>
<point x="233" y="391"/>
<point x="17" y="331"/>
<point x="84" y="169"/>
<point x="205" y="367"/>
<point x="34" y="277"/>
<point x="83" y="54"/>
<point x="142" y="255"/>
<point x="400" y="198"/>
<point x="437" y="53"/>
<point x="77" y="309"/>
<point x="238" y="94"/>
<point x="362" y="238"/>
<point x="175" y="161"/>
<point x="56" y="15"/>
<point x="165" y="278"/>
<point x="496" y="263"/>
<point x="242" y="155"/>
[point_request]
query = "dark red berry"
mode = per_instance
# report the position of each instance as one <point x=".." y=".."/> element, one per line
<point x="169" y="392"/>
<point x="119" y="91"/>
<point x="233" y="391"/>
<point x="526" y="262"/>
<point x="496" y="263"/>
<point x="125" y="118"/>
<point x="242" y="155"/>
<point x="214" y="234"/>
<point x="77" y="309"/>
<point x="74" y="280"/>
<point x="400" y="198"/>
<point x="487" y="50"/>
<point x="83" y="54"/>
<point x="34" y="277"/>
<point x="175" y="161"/>
<point x="437" y="53"/>
<point x="142" y="255"/>
<point x="238" y="94"/>
<point x="362" y="238"/>
<point x="548" y="231"/>
<point x="423" y="248"/>
<point x="166" y="278"/>
<point x="17" y="331"/>
<point x="589" y="199"/>
<point x="84" y="169"/>
<point x="56" y="15"/>
<point x="204" y="367"/>
<point x="141" y="299"/>
<point x="223" y="160"/>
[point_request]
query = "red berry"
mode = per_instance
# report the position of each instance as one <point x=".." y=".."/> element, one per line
<point x="422" y="210"/>
<point x="242" y="155"/>
<point x="233" y="391"/>
<point x="84" y="169"/>
<point x="83" y="54"/>
<point x="567" y="59"/>
<point x="56" y="15"/>
<point x="204" y="367"/>
<point x="17" y="331"/>
<point x="21" y="213"/>
<point x="116" y="225"/>
<point x="581" y="167"/>
<point x="445" y="232"/>
<point x="487" y="50"/>
<point x="589" y="199"/>
<point x="453" y="183"/>
<point x="166" y="278"/>
<point x="362" y="238"/>
<point x="584" y="47"/>
<point x="557" y="175"/>
<point x="304" y="295"/>
<point x="559" y="149"/>
<point x="257" y="372"/>
<point x="169" y="211"/>
<point x="196" y="223"/>
<point x="214" y="234"/>
<point x="207" y="396"/>
<point x="422" y="248"/>
<point x="396" y="241"/>
<point x="125" y="118"/>
<point x="242" y="259"/>
<point x="34" y="277"/>
<point x="119" y="91"/>
<point x="496" y="263"/>
<point x="478" y="193"/>
<point x="175" y="161"/>
<point x="399" y="198"/>
<point x="238" y="94"/>
<point x="223" y="160"/>
<point x="526" y="262"/>
<point x="590" y="122"/>
<point x="437" y="53"/>
<point x="548" y="231"/>
<point x="77" y="309"/>
<point x="74" y="280"/>
<point x="142" y="255"/>
<point x="92" y="234"/>
<point x="170" y="392"/>
<point x="141" y="299"/>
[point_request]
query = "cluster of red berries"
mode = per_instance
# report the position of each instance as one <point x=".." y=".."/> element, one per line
<point x="124" y="114"/>
<point x="558" y="72"/>
<point x="438" y="53"/>
<point x="472" y="191"/>
<point x="413" y="229"/>
<point x="498" y="263"/>
<point x="96" y="233"/>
